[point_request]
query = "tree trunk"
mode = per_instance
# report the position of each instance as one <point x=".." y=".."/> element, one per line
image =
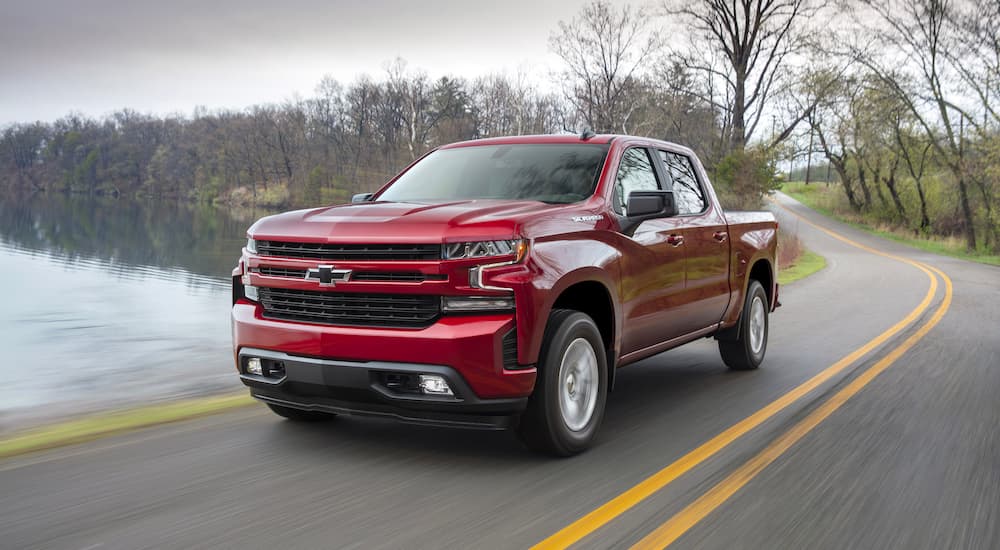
<point x="991" y="237"/>
<point x="970" y="229"/>
<point x="852" y="199"/>
<point x="890" y="183"/>
<point x="865" y="190"/>
<point x="738" y="137"/>
<point x="925" y="221"/>
<point x="877" y="180"/>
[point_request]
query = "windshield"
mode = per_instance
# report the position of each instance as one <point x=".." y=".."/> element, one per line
<point x="552" y="173"/>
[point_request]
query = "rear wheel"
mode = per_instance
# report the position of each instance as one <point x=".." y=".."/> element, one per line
<point x="299" y="415"/>
<point x="746" y="350"/>
<point x="567" y="405"/>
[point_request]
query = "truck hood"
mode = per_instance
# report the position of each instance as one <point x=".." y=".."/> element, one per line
<point x="395" y="222"/>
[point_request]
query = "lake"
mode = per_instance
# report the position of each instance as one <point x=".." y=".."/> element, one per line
<point x="113" y="303"/>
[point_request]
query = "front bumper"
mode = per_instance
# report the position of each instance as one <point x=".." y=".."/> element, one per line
<point x="341" y="369"/>
<point x="364" y="388"/>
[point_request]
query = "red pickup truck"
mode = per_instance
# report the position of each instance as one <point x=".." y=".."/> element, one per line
<point x="500" y="283"/>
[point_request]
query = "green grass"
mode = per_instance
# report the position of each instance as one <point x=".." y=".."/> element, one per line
<point x="805" y="265"/>
<point x="102" y="425"/>
<point x="820" y="198"/>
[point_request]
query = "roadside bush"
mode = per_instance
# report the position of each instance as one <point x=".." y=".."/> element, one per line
<point x="742" y="178"/>
<point x="274" y="196"/>
<point x="789" y="249"/>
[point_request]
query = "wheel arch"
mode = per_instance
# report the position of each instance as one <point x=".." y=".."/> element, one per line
<point x="763" y="272"/>
<point x="592" y="296"/>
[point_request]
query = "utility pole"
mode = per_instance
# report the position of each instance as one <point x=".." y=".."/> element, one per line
<point x="809" y="156"/>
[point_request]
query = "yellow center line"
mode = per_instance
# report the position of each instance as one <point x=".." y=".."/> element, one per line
<point x="680" y="523"/>
<point x="618" y="505"/>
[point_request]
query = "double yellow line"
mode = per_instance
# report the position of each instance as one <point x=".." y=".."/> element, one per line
<point x="680" y="523"/>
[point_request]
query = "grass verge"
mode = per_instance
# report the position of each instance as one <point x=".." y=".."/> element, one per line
<point x="818" y="197"/>
<point x="805" y="265"/>
<point x="102" y="425"/>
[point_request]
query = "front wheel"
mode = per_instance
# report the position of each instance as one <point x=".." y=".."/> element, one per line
<point x="567" y="405"/>
<point x="746" y="350"/>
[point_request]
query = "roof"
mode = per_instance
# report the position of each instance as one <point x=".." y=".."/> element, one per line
<point x="543" y="138"/>
<point x="566" y="138"/>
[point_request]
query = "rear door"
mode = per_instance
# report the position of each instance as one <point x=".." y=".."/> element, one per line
<point x="706" y="245"/>
<point x="652" y="283"/>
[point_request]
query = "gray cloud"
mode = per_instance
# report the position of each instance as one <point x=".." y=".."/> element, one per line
<point x="98" y="55"/>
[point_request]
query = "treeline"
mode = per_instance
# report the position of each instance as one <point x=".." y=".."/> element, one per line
<point x="898" y="96"/>
<point x="347" y="138"/>
<point x="904" y="108"/>
<point x="815" y="172"/>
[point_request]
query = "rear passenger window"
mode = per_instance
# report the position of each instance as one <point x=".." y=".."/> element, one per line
<point x="688" y="194"/>
<point x="634" y="174"/>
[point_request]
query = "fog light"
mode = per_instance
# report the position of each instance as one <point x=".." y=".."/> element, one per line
<point x="434" y="385"/>
<point x="254" y="366"/>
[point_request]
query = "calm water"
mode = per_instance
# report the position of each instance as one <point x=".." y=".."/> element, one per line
<point x="112" y="303"/>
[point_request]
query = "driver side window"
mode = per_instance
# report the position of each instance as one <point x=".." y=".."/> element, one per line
<point x="635" y="173"/>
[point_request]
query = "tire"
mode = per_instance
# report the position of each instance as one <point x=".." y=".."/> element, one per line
<point x="746" y="350"/>
<point x="566" y="407"/>
<point x="299" y="415"/>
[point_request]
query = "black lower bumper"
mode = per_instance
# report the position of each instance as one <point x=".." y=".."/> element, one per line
<point x="373" y="389"/>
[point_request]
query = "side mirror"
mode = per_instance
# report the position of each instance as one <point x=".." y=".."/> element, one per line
<point x="651" y="204"/>
<point x="361" y="197"/>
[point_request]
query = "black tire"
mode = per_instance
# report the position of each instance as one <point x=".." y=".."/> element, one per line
<point x="738" y="353"/>
<point x="299" y="415"/>
<point x="543" y="426"/>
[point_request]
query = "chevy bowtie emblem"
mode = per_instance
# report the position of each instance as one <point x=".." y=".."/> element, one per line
<point x="327" y="275"/>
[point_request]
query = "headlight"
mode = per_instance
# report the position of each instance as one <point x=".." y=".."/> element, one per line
<point x="250" y="292"/>
<point x="251" y="246"/>
<point x="450" y="304"/>
<point x="486" y="249"/>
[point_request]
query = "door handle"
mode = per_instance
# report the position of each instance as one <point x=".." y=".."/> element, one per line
<point x="720" y="236"/>
<point x="675" y="240"/>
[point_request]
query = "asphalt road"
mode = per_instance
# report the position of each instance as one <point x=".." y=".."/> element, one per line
<point x="912" y="460"/>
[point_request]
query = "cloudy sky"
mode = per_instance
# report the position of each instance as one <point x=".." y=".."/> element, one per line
<point x="96" y="56"/>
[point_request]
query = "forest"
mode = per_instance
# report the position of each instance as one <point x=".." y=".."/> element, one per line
<point x="894" y="101"/>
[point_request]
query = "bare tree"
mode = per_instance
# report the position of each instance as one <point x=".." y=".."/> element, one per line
<point x="604" y="50"/>
<point x="975" y="54"/>
<point x="510" y="105"/>
<point x="672" y="109"/>
<point x="21" y="146"/>
<point x="835" y="123"/>
<point x="741" y="50"/>
<point x="328" y="114"/>
<point x="916" y="153"/>
<point x="496" y="102"/>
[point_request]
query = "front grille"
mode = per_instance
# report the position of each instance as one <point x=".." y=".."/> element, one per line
<point x="360" y="276"/>
<point x="356" y="252"/>
<point x="329" y="308"/>
<point x="283" y="272"/>
<point x="396" y="276"/>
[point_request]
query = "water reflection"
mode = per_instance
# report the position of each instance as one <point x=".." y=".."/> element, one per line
<point x="112" y="303"/>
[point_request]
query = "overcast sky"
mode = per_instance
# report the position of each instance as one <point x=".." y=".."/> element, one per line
<point x="96" y="56"/>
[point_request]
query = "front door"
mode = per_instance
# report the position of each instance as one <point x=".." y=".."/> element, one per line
<point x="652" y="279"/>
